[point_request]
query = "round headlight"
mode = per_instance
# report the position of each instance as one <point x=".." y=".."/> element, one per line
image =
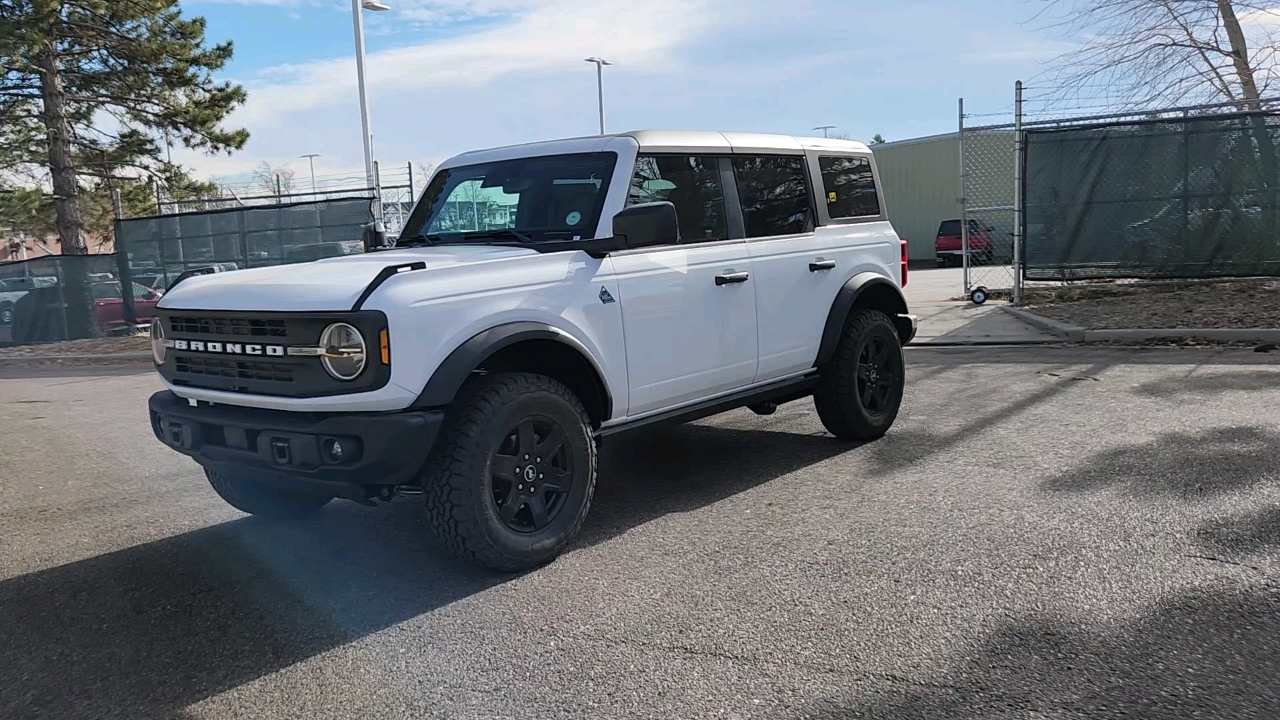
<point x="344" y="351"/>
<point x="157" y="340"/>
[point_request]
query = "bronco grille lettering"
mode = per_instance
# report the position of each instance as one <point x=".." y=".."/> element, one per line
<point x="227" y="348"/>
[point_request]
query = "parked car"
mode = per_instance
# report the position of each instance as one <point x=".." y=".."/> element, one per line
<point x="949" y="245"/>
<point x="13" y="289"/>
<point x="108" y="304"/>
<point x="644" y="278"/>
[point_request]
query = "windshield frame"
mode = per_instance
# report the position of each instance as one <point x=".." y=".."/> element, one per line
<point x="433" y="199"/>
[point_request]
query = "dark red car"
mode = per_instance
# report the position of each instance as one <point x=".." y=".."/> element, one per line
<point x="108" y="304"/>
<point x="949" y="245"/>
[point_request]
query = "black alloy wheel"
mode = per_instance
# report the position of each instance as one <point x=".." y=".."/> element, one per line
<point x="878" y="371"/>
<point x="531" y="474"/>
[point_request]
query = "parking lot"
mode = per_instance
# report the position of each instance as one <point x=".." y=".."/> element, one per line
<point x="1048" y="531"/>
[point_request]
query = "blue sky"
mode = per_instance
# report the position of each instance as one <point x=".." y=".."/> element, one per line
<point x="451" y="75"/>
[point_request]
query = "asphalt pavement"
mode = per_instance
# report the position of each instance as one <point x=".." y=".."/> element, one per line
<point x="1047" y="532"/>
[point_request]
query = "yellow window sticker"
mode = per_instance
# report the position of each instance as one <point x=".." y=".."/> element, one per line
<point x="831" y="197"/>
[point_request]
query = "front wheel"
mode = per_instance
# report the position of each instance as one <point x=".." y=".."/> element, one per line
<point x="512" y="474"/>
<point x="258" y="498"/>
<point x="860" y="389"/>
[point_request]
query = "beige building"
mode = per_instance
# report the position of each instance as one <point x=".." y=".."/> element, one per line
<point x="920" y="179"/>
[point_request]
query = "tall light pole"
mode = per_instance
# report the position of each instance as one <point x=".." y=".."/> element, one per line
<point x="600" y="63"/>
<point x="311" y="161"/>
<point x="825" y="128"/>
<point x="358" y="21"/>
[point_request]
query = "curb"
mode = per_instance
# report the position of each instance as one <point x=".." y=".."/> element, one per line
<point x="115" y="359"/>
<point x="1076" y="334"/>
<point x="1070" y="333"/>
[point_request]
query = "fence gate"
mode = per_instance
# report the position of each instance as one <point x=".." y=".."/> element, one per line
<point x="988" y="200"/>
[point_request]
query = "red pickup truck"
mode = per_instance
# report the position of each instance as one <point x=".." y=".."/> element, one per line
<point x="949" y="245"/>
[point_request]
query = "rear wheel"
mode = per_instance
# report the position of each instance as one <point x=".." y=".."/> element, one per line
<point x="860" y="389"/>
<point x="511" y="477"/>
<point x="258" y="498"/>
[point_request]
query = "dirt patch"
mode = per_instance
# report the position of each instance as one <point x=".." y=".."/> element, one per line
<point x="1239" y="304"/>
<point x="94" y="346"/>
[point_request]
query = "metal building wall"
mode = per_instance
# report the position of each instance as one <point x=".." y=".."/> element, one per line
<point x="921" y="183"/>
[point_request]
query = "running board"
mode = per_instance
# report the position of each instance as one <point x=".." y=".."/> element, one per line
<point x="782" y="391"/>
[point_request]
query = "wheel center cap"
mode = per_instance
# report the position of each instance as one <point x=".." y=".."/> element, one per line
<point x="530" y="473"/>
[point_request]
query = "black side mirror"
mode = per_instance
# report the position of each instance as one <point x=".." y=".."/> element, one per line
<point x="374" y="237"/>
<point x="648" y="225"/>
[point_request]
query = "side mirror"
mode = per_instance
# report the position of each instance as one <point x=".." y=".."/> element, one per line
<point x="648" y="224"/>
<point x="374" y="237"/>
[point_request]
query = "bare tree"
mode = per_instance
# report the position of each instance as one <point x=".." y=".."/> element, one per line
<point x="265" y="178"/>
<point x="1139" y="53"/>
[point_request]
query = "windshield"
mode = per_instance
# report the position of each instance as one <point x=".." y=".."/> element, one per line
<point x="557" y="197"/>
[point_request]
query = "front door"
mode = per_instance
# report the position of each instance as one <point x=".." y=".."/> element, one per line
<point x="688" y="310"/>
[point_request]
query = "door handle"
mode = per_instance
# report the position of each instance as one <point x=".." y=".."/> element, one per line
<point x="731" y="278"/>
<point x="821" y="264"/>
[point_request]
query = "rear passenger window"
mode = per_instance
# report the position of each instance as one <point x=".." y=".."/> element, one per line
<point x="693" y="184"/>
<point x="774" y="195"/>
<point x="850" y="187"/>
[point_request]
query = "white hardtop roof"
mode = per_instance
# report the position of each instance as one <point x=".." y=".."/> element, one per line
<point x="702" y="141"/>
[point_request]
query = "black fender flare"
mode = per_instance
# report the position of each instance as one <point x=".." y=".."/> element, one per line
<point x="447" y="380"/>
<point x="855" y="288"/>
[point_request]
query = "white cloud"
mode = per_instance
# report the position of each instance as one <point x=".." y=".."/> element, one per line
<point x="548" y="35"/>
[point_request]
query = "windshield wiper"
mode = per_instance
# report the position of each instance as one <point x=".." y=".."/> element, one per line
<point x="500" y="232"/>
<point x="418" y="240"/>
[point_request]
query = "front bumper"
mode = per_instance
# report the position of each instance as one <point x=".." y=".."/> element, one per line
<point x="289" y="449"/>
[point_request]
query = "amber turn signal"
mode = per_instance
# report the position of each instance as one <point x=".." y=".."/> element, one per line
<point x="384" y="346"/>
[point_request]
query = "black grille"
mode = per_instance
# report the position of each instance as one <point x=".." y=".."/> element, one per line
<point x="238" y="369"/>
<point x="245" y="327"/>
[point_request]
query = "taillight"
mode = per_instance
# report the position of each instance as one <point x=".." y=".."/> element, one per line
<point x="904" y="263"/>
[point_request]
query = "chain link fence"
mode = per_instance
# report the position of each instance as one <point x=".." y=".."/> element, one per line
<point x="1189" y="196"/>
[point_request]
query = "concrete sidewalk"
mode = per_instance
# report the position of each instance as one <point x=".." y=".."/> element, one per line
<point x="952" y="322"/>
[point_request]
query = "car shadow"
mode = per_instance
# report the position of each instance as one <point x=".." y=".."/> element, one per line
<point x="1205" y="653"/>
<point x="1255" y="532"/>
<point x="1211" y="383"/>
<point x="145" y="631"/>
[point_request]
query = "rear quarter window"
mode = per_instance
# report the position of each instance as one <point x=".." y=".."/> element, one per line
<point x="850" y="186"/>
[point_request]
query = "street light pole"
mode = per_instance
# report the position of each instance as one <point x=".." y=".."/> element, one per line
<point x="600" y="63"/>
<point x="311" y="161"/>
<point x="825" y="128"/>
<point x="357" y="20"/>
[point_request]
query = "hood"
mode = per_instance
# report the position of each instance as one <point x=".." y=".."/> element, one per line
<point x="327" y="285"/>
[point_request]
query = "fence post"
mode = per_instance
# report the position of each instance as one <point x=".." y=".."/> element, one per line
<point x="279" y="190"/>
<point x="964" y="206"/>
<point x="412" y="189"/>
<point x="122" y="263"/>
<point x="1019" y="154"/>
<point x="377" y="192"/>
<point x="155" y="188"/>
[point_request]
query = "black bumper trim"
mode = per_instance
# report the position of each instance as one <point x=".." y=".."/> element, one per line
<point x="286" y="448"/>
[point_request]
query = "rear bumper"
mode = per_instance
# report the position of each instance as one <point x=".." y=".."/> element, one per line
<point x="290" y="449"/>
<point x="906" y="325"/>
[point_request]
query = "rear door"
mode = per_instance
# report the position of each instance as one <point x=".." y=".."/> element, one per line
<point x="803" y="251"/>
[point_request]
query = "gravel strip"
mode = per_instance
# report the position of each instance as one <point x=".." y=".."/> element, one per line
<point x="1241" y="305"/>
<point x="93" y="346"/>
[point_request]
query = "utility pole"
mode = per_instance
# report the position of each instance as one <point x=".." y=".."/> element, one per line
<point x="600" y="63"/>
<point x="825" y="128"/>
<point x="311" y="161"/>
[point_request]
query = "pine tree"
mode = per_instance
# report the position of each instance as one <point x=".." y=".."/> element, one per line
<point x="91" y="86"/>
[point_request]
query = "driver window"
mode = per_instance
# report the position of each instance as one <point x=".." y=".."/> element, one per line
<point x="690" y="182"/>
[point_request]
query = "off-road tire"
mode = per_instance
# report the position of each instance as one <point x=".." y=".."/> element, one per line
<point x="458" y="479"/>
<point x="839" y="407"/>
<point x="258" y="498"/>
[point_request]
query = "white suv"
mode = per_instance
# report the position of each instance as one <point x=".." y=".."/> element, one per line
<point x="542" y="297"/>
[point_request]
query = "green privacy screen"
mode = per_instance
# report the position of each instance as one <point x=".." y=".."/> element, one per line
<point x="161" y="248"/>
<point x="1186" y="198"/>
